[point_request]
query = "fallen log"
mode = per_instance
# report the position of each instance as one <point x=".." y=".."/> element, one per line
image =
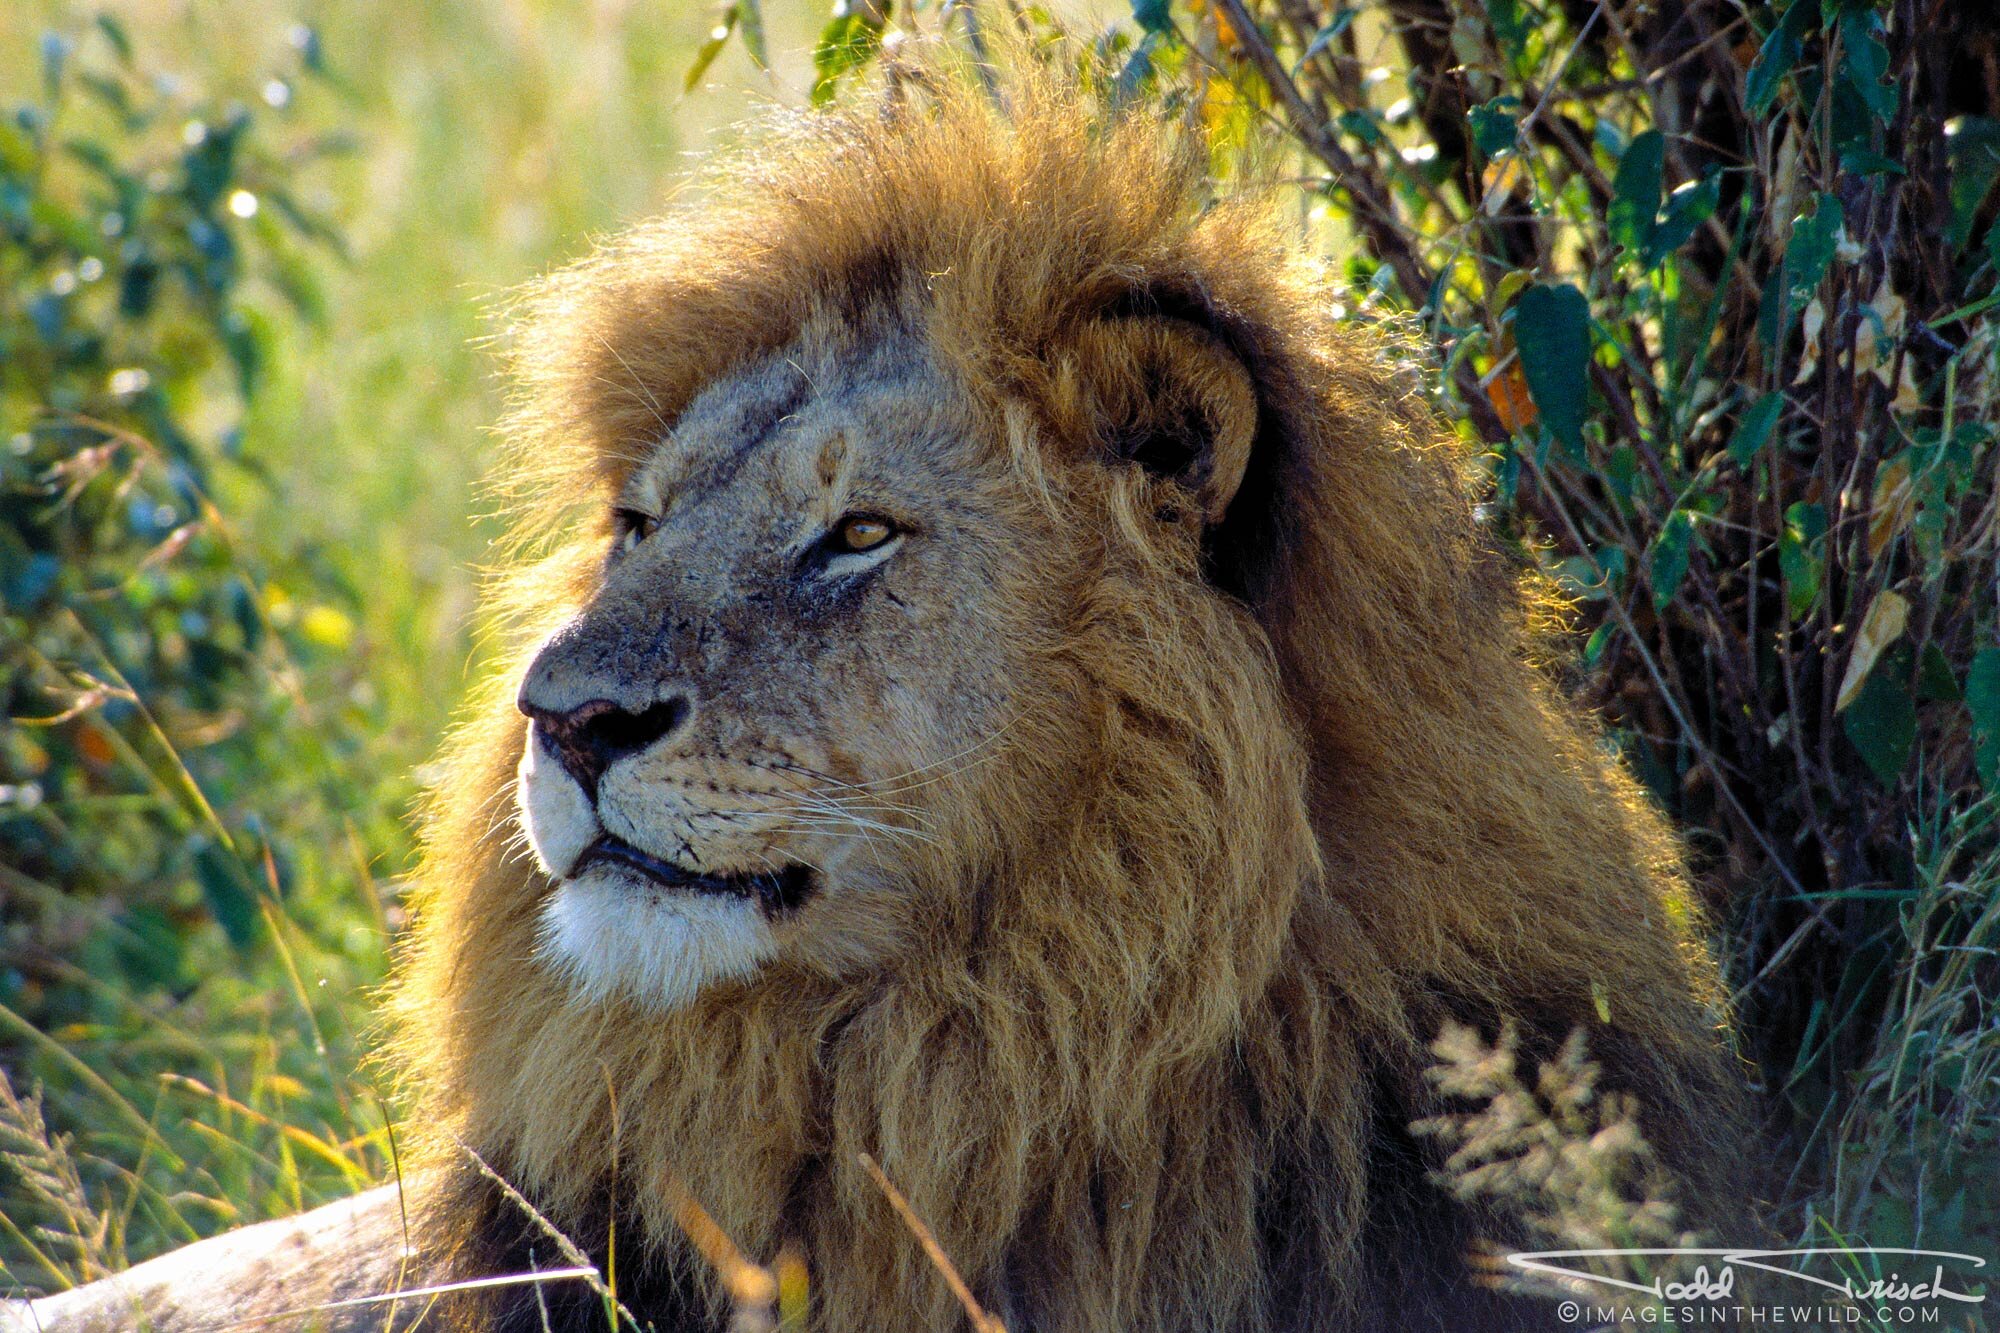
<point x="324" y="1271"/>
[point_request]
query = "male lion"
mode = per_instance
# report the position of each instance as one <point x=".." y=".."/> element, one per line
<point x="1024" y="696"/>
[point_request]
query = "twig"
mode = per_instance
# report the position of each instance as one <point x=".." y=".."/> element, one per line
<point x="1376" y="213"/>
<point x="975" y="41"/>
<point x="1688" y="732"/>
<point x="1555" y="80"/>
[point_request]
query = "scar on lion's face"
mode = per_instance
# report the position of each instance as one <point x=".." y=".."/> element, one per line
<point x="781" y="690"/>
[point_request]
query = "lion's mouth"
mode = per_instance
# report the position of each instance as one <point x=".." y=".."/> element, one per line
<point x="776" y="891"/>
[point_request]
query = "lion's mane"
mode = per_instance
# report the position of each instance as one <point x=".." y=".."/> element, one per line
<point x="1156" y="1070"/>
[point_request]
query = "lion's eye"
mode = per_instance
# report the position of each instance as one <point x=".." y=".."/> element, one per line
<point x="860" y="532"/>
<point x="632" y="526"/>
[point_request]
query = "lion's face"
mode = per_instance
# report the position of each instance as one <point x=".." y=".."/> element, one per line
<point x="798" y="630"/>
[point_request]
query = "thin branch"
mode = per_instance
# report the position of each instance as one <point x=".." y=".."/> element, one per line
<point x="1689" y="733"/>
<point x="1373" y="210"/>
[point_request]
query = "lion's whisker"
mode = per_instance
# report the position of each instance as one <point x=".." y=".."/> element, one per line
<point x="806" y="821"/>
<point x="773" y="865"/>
<point x="932" y="774"/>
<point x="843" y="802"/>
<point x="803" y="820"/>
<point x="842" y="808"/>
<point x="922" y="775"/>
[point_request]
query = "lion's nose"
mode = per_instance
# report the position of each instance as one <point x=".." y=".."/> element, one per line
<point x="591" y="737"/>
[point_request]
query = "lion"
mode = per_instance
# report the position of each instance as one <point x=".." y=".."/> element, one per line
<point x="1012" y="685"/>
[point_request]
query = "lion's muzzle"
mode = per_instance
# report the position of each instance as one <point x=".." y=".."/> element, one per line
<point x="667" y="880"/>
<point x="589" y="738"/>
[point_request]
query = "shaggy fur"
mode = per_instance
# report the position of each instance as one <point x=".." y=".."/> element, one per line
<point x="1299" y="793"/>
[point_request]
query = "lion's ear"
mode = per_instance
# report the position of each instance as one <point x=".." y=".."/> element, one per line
<point x="1170" y="397"/>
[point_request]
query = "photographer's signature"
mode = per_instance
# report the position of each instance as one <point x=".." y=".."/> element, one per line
<point x="1930" y="1282"/>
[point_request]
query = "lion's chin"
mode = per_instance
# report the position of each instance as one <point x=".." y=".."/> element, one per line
<point x="612" y="933"/>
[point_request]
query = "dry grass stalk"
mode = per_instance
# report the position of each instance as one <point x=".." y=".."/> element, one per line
<point x="753" y="1290"/>
<point x="46" y="1174"/>
<point x="982" y="1322"/>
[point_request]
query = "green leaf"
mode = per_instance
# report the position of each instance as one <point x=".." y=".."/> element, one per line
<point x="312" y="52"/>
<point x="1361" y="124"/>
<point x="1153" y="15"/>
<point x="1754" y="431"/>
<point x="55" y="55"/>
<point x="1974" y="153"/>
<point x="1506" y="473"/>
<point x="114" y="32"/>
<point x="109" y="91"/>
<point x="1864" y="62"/>
<point x="718" y="37"/>
<point x="244" y="338"/>
<point x="1322" y="39"/>
<point x="1882" y="721"/>
<point x="1137" y="73"/>
<point x="1635" y="192"/>
<point x="1688" y="207"/>
<point x="1799" y="558"/>
<point x="1982" y="700"/>
<point x="1868" y="162"/>
<point x="18" y="154"/>
<point x="1621" y="474"/>
<point x="1594" y="646"/>
<point x="1552" y="334"/>
<point x="1810" y="252"/>
<point x="220" y="876"/>
<point x="1510" y="28"/>
<point x="750" y="21"/>
<point x="845" y="45"/>
<point x="1494" y="127"/>
<point x="1935" y="683"/>
<point x="1671" y="550"/>
<point x="1775" y="58"/>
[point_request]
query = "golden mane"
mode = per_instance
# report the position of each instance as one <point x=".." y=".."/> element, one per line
<point x="1154" y="1070"/>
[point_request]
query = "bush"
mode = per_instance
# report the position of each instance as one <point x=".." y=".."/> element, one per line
<point x="157" y="797"/>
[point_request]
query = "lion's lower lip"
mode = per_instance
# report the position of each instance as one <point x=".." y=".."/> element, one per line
<point x="776" y="891"/>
